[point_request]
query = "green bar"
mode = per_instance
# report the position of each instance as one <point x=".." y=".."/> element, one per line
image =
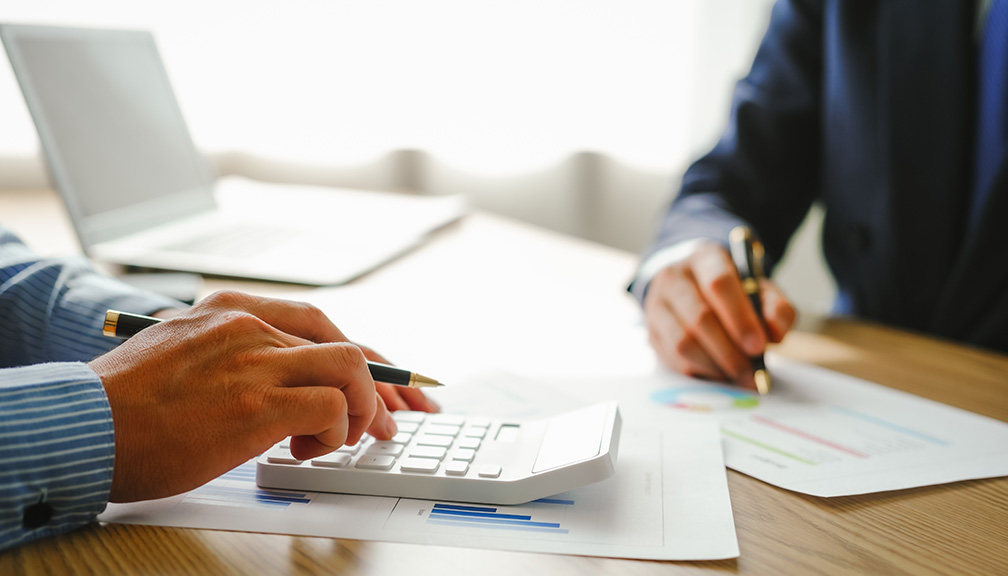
<point x="770" y="448"/>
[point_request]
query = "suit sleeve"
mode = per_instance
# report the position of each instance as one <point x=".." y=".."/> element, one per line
<point x="764" y="171"/>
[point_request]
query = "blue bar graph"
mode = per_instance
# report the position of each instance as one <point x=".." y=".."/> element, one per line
<point x="554" y="501"/>
<point x="239" y="489"/>
<point x="490" y="518"/>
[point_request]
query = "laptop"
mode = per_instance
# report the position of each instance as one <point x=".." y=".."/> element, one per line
<point x="140" y="194"/>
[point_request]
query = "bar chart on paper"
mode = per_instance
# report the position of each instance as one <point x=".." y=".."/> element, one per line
<point x="588" y="517"/>
<point x="493" y="518"/>
<point x="237" y="488"/>
<point x="667" y="501"/>
<point x="828" y="435"/>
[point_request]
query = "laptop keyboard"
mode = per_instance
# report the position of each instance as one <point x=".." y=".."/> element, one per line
<point x="238" y="241"/>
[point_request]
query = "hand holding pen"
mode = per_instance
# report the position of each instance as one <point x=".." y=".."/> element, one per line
<point x="195" y="396"/>
<point x="702" y="323"/>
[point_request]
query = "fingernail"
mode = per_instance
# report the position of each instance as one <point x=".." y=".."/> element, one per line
<point x="391" y="428"/>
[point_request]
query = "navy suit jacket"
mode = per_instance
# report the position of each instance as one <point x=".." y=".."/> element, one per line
<point x="867" y="107"/>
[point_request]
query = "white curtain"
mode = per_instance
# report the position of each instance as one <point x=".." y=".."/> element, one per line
<point x="498" y="90"/>
<point x="578" y="115"/>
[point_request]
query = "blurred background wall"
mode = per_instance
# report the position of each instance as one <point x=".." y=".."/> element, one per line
<point x="579" y="116"/>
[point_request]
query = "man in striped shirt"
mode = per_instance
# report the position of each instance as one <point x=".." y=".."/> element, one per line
<point x="85" y="421"/>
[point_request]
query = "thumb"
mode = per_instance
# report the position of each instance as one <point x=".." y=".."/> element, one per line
<point x="778" y="312"/>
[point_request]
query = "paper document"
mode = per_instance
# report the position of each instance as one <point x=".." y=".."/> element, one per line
<point x="824" y="433"/>
<point x="667" y="501"/>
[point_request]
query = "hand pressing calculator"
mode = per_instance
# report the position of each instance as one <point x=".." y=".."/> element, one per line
<point x="461" y="458"/>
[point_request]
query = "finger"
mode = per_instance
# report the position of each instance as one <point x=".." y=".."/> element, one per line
<point x="315" y="417"/>
<point x="389" y="394"/>
<point x="403" y="398"/>
<point x="383" y="427"/>
<point x="720" y="286"/>
<point x="335" y="365"/>
<point x="778" y="312"/>
<point x="400" y="397"/>
<point x="372" y="355"/>
<point x="296" y="318"/>
<point x="675" y="347"/>
<point x="301" y="319"/>
<point x="698" y="318"/>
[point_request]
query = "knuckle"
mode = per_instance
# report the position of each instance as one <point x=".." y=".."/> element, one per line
<point x="250" y="404"/>
<point x="667" y="275"/>
<point x="685" y="346"/>
<point x="703" y="320"/>
<point x="313" y="312"/>
<point x="350" y="362"/>
<point x="335" y="402"/>
<point x="226" y="298"/>
<point x="786" y="312"/>
<point x="352" y="356"/>
<point x="723" y="283"/>
<point x="242" y="322"/>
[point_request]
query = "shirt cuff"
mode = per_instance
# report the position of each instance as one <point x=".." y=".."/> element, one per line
<point x="57" y="449"/>
<point x="659" y="260"/>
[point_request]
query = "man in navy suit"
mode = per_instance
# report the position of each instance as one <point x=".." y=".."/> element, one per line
<point x="887" y="113"/>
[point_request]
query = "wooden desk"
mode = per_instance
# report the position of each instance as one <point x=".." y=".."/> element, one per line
<point x="960" y="528"/>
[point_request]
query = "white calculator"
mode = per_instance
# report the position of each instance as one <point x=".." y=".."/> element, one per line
<point x="461" y="458"/>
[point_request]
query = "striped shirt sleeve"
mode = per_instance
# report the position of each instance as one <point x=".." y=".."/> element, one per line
<point x="56" y="432"/>
<point x="52" y="310"/>
<point x="56" y="450"/>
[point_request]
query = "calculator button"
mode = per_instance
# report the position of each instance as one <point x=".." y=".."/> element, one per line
<point x="449" y="419"/>
<point x="475" y="432"/>
<point x="407" y="427"/>
<point x="465" y="454"/>
<point x="281" y="456"/>
<point x="332" y="460"/>
<point x="442" y="430"/>
<point x="345" y="449"/>
<point x="419" y="465"/>
<point x="490" y="471"/>
<point x="428" y="452"/>
<point x="479" y="422"/>
<point x="388" y="448"/>
<point x="401" y="438"/>
<point x="456" y="468"/>
<point x="370" y="462"/>
<point x="409" y="416"/>
<point x="470" y="443"/>
<point x="434" y="440"/>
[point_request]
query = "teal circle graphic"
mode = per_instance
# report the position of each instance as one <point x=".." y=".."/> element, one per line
<point x="706" y="398"/>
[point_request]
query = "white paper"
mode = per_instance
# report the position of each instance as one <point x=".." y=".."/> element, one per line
<point x="667" y="501"/>
<point x="824" y="433"/>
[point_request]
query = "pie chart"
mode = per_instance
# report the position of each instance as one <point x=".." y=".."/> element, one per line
<point x="710" y="398"/>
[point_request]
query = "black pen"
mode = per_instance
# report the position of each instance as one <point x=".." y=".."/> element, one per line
<point x="123" y="325"/>
<point x="747" y="253"/>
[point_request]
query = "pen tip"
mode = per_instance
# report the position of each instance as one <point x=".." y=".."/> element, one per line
<point x="762" y="378"/>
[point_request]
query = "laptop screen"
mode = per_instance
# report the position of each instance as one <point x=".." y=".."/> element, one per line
<point x="113" y="134"/>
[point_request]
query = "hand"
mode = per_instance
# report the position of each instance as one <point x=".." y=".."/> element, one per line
<point x="701" y="323"/>
<point x="201" y="393"/>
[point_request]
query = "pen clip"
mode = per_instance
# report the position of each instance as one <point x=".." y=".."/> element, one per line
<point x="746" y="252"/>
